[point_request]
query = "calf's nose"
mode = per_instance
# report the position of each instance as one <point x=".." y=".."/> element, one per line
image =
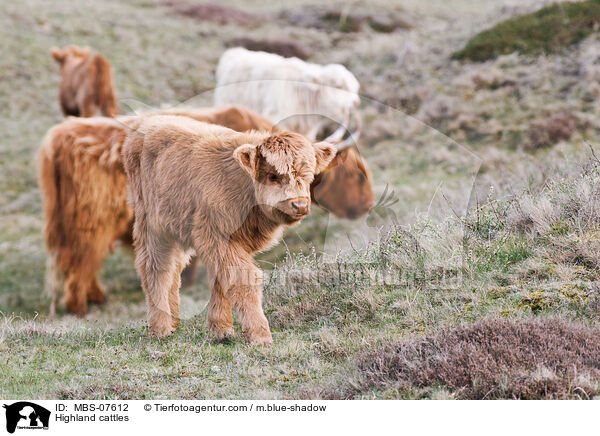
<point x="300" y="206"/>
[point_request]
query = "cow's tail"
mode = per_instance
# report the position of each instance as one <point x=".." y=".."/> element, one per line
<point x="105" y="90"/>
<point x="49" y="181"/>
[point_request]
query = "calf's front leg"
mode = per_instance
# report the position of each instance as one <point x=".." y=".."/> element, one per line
<point x="219" y="316"/>
<point x="242" y="281"/>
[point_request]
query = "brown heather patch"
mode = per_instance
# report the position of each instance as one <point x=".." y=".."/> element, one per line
<point x="283" y="48"/>
<point x="338" y="19"/>
<point x="547" y="133"/>
<point x="492" y="359"/>
<point x="213" y="12"/>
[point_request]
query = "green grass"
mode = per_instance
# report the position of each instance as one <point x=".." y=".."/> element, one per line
<point x="547" y="30"/>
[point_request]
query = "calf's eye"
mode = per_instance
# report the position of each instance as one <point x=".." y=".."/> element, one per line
<point x="272" y="178"/>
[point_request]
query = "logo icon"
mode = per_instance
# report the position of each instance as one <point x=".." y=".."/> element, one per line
<point x="26" y="415"/>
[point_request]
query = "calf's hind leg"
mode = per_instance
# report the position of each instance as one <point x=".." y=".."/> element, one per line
<point x="156" y="263"/>
<point x="181" y="259"/>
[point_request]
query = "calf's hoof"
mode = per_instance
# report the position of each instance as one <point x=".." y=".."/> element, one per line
<point x="221" y="333"/>
<point x="160" y="331"/>
<point x="259" y="337"/>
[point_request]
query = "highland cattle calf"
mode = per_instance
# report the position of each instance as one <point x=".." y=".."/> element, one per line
<point x="224" y="194"/>
<point x="86" y="82"/>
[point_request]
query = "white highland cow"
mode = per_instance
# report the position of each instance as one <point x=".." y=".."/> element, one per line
<point x="299" y="96"/>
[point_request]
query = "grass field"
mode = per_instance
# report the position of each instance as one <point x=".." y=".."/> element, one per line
<point x="497" y="218"/>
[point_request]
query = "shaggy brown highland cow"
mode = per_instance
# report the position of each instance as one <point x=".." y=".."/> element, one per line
<point x="225" y="195"/>
<point x="84" y="192"/>
<point x="86" y="82"/>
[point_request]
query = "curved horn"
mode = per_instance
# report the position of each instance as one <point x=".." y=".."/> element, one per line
<point x="353" y="136"/>
<point x="337" y="135"/>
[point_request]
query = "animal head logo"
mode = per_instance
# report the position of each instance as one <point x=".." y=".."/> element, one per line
<point x="26" y="415"/>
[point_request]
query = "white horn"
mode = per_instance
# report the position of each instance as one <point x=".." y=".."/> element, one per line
<point x="353" y="136"/>
<point x="337" y="135"/>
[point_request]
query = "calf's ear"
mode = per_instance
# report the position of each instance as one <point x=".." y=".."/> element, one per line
<point x="245" y="155"/>
<point x="324" y="153"/>
<point x="57" y="54"/>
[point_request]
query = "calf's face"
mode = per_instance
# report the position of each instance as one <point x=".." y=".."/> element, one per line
<point x="282" y="168"/>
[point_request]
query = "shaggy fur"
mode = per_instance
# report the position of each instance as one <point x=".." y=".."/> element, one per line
<point x="287" y="91"/>
<point x="344" y="188"/>
<point x="230" y="116"/>
<point x="84" y="193"/>
<point x="86" y="82"/>
<point x="225" y="195"/>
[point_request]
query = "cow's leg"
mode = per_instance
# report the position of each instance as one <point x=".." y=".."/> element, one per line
<point x="96" y="293"/>
<point x="91" y="261"/>
<point x="156" y="265"/>
<point x="181" y="259"/>
<point x="220" y="320"/>
<point x="241" y="281"/>
<point x="81" y="285"/>
<point x="75" y="297"/>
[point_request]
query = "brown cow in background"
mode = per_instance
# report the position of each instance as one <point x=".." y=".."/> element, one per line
<point x="345" y="187"/>
<point x="86" y="82"/>
<point x="85" y="202"/>
<point x="84" y="190"/>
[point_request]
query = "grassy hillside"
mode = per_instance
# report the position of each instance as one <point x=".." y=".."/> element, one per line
<point x="486" y="181"/>
<point x="547" y="30"/>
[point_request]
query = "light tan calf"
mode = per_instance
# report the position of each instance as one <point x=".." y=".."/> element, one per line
<point x="222" y="193"/>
